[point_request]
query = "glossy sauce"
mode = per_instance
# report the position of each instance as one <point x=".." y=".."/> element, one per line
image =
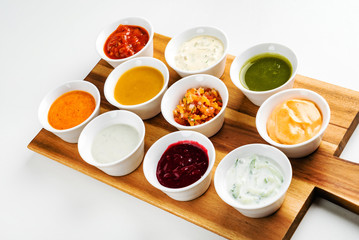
<point x="199" y="53"/>
<point x="265" y="72"/>
<point x="125" y="41"/>
<point x="114" y="142"/>
<point x="71" y="109"/>
<point x="138" y="85"/>
<point x="254" y="180"/>
<point x="294" y="121"/>
<point x="182" y="164"/>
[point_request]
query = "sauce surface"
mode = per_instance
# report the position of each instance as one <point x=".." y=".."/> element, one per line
<point x="265" y="72"/>
<point x="254" y="180"/>
<point x="138" y="85"/>
<point x="199" y="53"/>
<point x="114" y="142"/>
<point x="182" y="164"/>
<point x="294" y="121"/>
<point x="198" y="106"/>
<point x="71" y="109"/>
<point x="125" y="41"/>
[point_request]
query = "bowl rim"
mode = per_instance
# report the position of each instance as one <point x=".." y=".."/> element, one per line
<point x="236" y="81"/>
<point x="114" y="102"/>
<point x="283" y="94"/>
<point x="171" y="43"/>
<point x="162" y="142"/>
<point x="42" y="114"/>
<point x="237" y="204"/>
<point x="99" y="120"/>
<point x="118" y="22"/>
<point x="185" y="80"/>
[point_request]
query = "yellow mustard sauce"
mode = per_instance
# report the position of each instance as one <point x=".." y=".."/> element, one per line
<point x="138" y="85"/>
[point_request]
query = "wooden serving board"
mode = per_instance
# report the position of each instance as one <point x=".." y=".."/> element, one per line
<point x="320" y="173"/>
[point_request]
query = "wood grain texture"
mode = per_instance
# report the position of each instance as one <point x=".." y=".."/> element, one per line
<point x="320" y="173"/>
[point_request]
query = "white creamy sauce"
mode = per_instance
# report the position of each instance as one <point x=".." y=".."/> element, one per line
<point x="114" y="142"/>
<point x="198" y="53"/>
<point x="254" y="180"/>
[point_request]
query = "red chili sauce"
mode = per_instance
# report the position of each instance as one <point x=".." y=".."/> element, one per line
<point x="125" y="41"/>
<point x="182" y="164"/>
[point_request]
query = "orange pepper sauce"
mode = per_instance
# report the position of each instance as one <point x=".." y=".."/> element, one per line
<point x="125" y="41"/>
<point x="71" y="109"/>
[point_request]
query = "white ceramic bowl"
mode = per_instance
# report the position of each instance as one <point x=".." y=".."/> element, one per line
<point x="122" y="166"/>
<point x="147" y="109"/>
<point x="258" y="97"/>
<point x="175" y="43"/>
<point x="260" y="210"/>
<point x="147" y="51"/>
<point x="177" y="91"/>
<point x="155" y="152"/>
<point x="301" y="149"/>
<point x="70" y="135"/>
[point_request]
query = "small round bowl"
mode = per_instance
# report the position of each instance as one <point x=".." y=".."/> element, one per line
<point x="177" y="91"/>
<point x="175" y="43"/>
<point x="70" y="135"/>
<point x="149" y="108"/>
<point x="258" y="97"/>
<point x="122" y="166"/>
<point x="262" y="209"/>
<point x="155" y="152"/>
<point x="301" y="149"/>
<point x="147" y="51"/>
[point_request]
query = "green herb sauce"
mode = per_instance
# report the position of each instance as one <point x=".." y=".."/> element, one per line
<point x="265" y="72"/>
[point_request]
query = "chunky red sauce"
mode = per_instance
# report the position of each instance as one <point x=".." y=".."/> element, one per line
<point x="182" y="164"/>
<point x="125" y="41"/>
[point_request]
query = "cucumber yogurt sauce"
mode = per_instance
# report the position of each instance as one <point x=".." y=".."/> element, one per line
<point x="199" y="53"/>
<point x="254" y="180"/>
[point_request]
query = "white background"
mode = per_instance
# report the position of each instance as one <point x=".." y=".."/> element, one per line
<point x="45" y="43"/>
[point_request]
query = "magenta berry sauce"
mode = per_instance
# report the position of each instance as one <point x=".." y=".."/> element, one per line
<point x="182" y="164"/>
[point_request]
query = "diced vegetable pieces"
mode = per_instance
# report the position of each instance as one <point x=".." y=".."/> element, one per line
<point x="198" y="106"/>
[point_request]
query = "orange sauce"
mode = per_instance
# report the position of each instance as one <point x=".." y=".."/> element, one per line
<point x="138" y="85"/>
<point x="294" y="121"/>
<point x="71" y="109"/>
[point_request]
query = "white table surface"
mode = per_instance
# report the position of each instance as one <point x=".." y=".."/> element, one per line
<point x="45" y="43"/>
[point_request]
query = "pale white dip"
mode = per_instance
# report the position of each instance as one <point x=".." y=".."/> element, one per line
<point x="199" y="53"/>
<point x="114" y="142"/>
<point x="254" y="180"/>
